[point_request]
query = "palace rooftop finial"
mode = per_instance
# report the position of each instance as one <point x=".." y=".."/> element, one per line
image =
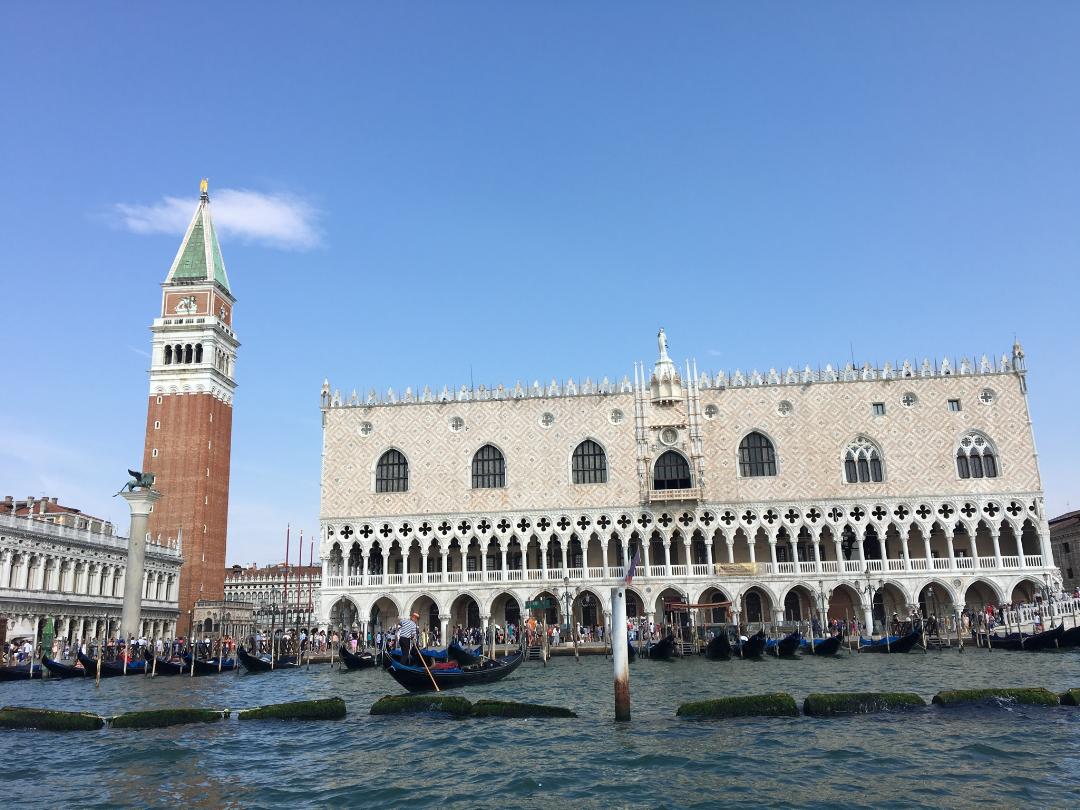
<point x="204" y="184"/>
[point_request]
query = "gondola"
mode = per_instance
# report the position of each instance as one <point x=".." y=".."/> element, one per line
<point x="785" y="647"/>
<point x="661" y="650"/>
<point x="753" y="647"/>
<point x="631" y="651"/>
<point x="257" y="663"/>
<point x="464" y="656"/>
<point x="58" y="670"/>
<point x="1070" y="637"/>
<point x="822" y="646"/>
<point x="21" y="672"/>
<point x="364" y="660"/>
<point x="448" y="675"/>
<point x="1047" y="640"/>
<point x="167" y="666"/>
<point x="718" y="648"/>
<point x="111" y="669"/>
<point x="891" y="644"/>
<point x="210" y="666"/>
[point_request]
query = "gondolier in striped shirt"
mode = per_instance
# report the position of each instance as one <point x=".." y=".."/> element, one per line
<point x="407" y="631"/>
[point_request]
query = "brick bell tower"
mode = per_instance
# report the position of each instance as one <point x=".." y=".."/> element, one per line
<point x="189" y="413"/>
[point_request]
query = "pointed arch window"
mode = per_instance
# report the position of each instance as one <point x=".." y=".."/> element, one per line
<point x="862" y="462"/>
<point x="589" y="463"/>
<point x="168" y="354"/>
<point x="756" y="456"/>
<point x="671" y="472"/>
<point x="488" y="468"/>
<point x="392" y="472"/>
<point x="976" y="457"/>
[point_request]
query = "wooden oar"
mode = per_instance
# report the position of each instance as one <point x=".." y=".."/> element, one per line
<point x="428" y="671"/>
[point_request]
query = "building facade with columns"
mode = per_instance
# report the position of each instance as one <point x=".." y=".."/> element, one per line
<point x="58" y="563"/>
<point x="849" y="491"/>
<point x="279" y="595"/>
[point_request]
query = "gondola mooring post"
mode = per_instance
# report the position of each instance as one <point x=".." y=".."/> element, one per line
<point x="620" y="655"/>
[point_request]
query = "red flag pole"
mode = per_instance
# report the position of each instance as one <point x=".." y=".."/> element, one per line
<point x="310" y="562"/>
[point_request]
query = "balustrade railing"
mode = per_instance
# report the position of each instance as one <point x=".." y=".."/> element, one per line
<point x="698" y="570"/>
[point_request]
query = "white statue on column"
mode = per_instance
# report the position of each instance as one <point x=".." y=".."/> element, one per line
<point x="661" y="342"/>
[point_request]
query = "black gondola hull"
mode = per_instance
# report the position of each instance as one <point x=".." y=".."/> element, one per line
<point x="753" y="647"/>
<point x="21" y="672"/>
<point x="253" y="663"/>
<point x="901" y="645"/>
<point x="662" y="650"/>
<point x="111" y="669"/>
<point x="718" y="648"/>
<point x="825" y="646"/>
<point x="417" y="679"/>
<point x="58" y="670"/>
<point x="357" y="661"/>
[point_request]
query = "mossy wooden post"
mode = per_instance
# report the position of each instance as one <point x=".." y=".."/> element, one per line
<point x="959" y="640"/>
<point x="544" y="641"/>
<point x="619" y="655"/>
<point x="153" y="664"/>
<point x="847" y="631"/>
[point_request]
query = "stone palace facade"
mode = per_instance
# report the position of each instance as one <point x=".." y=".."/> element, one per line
<point x="854" y="491"/>
<point x="58" y="563"/>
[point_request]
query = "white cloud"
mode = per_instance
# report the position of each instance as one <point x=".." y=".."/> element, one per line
<point x="277" y="220"/>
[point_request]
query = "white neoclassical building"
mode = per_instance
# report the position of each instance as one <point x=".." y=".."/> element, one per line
<point x="862" y="491"/>
<point x="57" y="563"/>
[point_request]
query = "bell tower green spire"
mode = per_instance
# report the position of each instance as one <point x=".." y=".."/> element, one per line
<point x="199" y="259"/>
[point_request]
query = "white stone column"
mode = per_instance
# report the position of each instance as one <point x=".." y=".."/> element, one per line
<point x="667" y="555"/>
<point x="1044" y="548"/>
<point x="793" y="542"/>
<point x="859" y="539"/>
<point x="995" y="536"/>
<point x="445" y="565"/>
<point x="644" y="557"/>
<point x="502" y="554"/>
<point x="904" y="549"/>
<point x="730" y="550"/>
<point x="949" y="544"/>
<point x="686" y="554"/>
<point x="5" y="568"/>
<point x="772" y="553"/>
<point x="603" y="559"/>
<point x="708" y="555"/>
<point x="423" y="563"/>
<point x="562" y="547"/>
<point x="444" y="626"/>
<point x="545" y="546"/>
<point x="926" y="549"/>
<point x="814" y="541"/>
<point x="140" y="502"/>
<point x="839" y="550"/>
<point x="483" y="560"/>
<point x="39" y="574"/>
<point x="751" y="544"/>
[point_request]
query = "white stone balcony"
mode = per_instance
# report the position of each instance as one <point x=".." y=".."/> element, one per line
<point x="843" y="569"/>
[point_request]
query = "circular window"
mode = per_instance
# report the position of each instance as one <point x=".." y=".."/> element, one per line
<point x="457" y="424"/>
<point x="909" y="400"/>
<point x="987" y="396"/>
<point x="366" y="428"/>
<point x="711" y="411"/>
<point x="547" y="419"/>
<point x="616" y="417"/>
<point x="785" y="408"/>
<point x="669" y="436"/>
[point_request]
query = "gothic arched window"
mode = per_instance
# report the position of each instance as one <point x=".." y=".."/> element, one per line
<point x="756" y="456"/>
<point x="168" y="354"/>
<point x="392" y="472"/>
<point x="862" y="462"/>
<point x="488" y="468"/>
<point x="589" y="463"/>
<point x="671" y="472"/>
<point x="976" y="457"/>
<point x="198" y="352"/>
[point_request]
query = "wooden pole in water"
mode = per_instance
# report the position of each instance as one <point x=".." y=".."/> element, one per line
<point x="97" y="680"/>
<point x="220" y="653"/>
<point x="959" y="639"/>
<point x="153" y="651"/>
<point x="544" y="642"/>
<point x="847" y="631"/>
<point x="619" y="654"/>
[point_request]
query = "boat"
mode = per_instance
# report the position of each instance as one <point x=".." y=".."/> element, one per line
<point x="1070" y="637"/>
<point x="461" y="654"/>
<point x="753" y="647"/>
<point x="110" y="669"/>
<point x="661" y="650"/>
<point x="785" y="647"/>
<point x="718" y="648"/>
<point x="891" y="644"/>
<point x="363" y="660"/>
<point x="210" y="666"/>
<point x="821" y="646"/>
<point x="631" y="651"/>
<point x="262" y="663"/>
<point x="167" y="666"/>
<point x="58" y="670"/>
<point x="21" y="672"/>
<point x="451" y="675"/>
<point x="1047" y="640"/>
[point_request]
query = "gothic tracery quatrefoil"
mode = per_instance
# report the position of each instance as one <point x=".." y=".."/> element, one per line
<point x="991" y="509"/>
<point x="543" y="524"/>
<point x="791" y="516"/>
<point x="523" y="525"/>
<point x="923" y="511"/>
<point x="814" y="515"/>
<point x="366" y="531"/>
<point x="969" y="510"/>
<point x="464" y="527"/>
<point x="503" y="525"/>
<point x="946" y="511"/>
<point x="386" y="531"/>
<point x="1014" y="509"/>
<point x="644" y="520"/>
<point x="686" y="519"/>
<point x="901" y="512"/>
<point x="624" y="521"/>
<point x="836" y="513"/>
<point x="664" y="520"/>
<point x="425" y="528"/>
<point x="483" y="527"/>
<point x="707" y="518"/>
<point x="748" y="516"/>
<point x="879" y="512"/>
<point x="346" y="531"/>
<point x="857" y="514"/>
<point x="770" y="517"/>
<point x="603" y="521"/>
<point x="445" y="528"/>
<point x="583" y="523"/>
<point x="563" y="524"/>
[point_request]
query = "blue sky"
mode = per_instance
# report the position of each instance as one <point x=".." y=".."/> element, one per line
<point x="528" y="191"/>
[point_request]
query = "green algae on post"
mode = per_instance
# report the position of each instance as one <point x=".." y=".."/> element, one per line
<point x="328" y="709"/>
<point x="510" y="708"/>
<point x="965" y="697"/>
<point x="162" y="718"/>
<point x="48" y="719"/>
<point x="415" y="704"/>
<point x="842" y="703"/>
<point x="774" y="704"/>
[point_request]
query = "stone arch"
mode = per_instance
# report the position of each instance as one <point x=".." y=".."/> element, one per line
<point x="714" y="593"/>
<point x="936" y="597"/>
<point x="982" y="592"/>
<point x="844" y="602"/>
<point x="344" y="613"/>
<point x="589" y="608"/>
<point x="385" y="611"/>
<point x="465" y="611"/>
<point x="552" y="614"/>
<point x="663" y="616"/>
<point x="505" y="608"/>
<point x="1025" y="589"/>
<point x="755" y="603"/>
